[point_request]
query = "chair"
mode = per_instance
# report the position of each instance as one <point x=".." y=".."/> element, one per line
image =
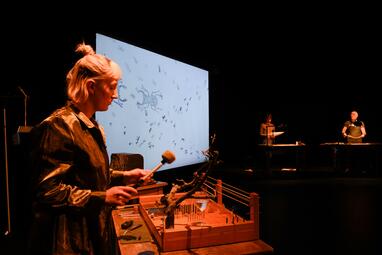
<point x="126" y="161"/>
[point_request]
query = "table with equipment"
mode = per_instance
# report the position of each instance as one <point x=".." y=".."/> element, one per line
<point x="364" y="156"/>
<point x="202" y="225"/>
<point x="283" y="157"/>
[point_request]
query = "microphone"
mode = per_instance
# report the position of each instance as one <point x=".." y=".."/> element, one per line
<point x="167" y="157"/>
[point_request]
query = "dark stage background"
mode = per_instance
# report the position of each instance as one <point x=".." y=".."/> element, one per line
<point x="310" y="75"/>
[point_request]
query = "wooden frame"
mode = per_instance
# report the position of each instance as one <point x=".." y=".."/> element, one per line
<point x="221" y="225"/>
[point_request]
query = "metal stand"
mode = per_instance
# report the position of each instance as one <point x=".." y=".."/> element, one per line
<point x="267" y="135"/>
<point x="6" y="172"/>
<point x="25" y="128"/>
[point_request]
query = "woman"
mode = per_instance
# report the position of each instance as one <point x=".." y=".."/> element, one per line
<point x="72" y="197"/>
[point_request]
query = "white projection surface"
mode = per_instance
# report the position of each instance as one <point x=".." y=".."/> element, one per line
<point x="162" y="105"/>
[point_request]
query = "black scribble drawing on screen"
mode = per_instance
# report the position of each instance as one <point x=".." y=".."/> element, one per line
<point x="121" y="99"/>
<point x="149" y="100"/>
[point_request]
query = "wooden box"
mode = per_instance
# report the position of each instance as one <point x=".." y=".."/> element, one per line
<point x="194" y="228"/>
<point x="152" y="189"/>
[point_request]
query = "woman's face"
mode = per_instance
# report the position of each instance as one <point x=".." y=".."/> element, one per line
<point x="104" y="93"/>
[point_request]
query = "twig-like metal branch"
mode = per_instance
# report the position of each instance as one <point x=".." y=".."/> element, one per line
<point x="171" y="202"/>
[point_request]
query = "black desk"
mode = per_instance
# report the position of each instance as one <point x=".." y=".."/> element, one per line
<point x="283" y="157"/>
<point x="363" y="156"/>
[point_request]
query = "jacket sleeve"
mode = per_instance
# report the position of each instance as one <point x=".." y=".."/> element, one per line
<point x="53" y="161"/>
<point x="117" y="177"/>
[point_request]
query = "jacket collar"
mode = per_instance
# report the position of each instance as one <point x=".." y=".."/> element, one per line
<point x="81" y="116"/>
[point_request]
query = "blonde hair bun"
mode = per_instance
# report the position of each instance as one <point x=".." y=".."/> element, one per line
<point x="85" y="49"/>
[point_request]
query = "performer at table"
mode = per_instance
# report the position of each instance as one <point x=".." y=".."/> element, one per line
<point x="354" y="130"/>
<point x="267" y="130"/>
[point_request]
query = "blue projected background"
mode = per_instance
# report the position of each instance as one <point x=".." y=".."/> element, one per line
<point x="162" y="105"/>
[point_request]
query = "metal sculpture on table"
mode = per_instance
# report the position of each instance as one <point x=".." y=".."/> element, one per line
<point x="170" y="201"/>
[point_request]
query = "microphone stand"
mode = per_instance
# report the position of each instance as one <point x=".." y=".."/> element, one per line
<point x="25" y="128"/>
<point x="4" y="100"/>
<point x="267" y="150"/>
<point x="25" y="105"/>
<point x="6" y="172"/>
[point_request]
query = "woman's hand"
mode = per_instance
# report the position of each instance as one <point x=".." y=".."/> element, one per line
<point x="119" y="195"/>
<point x="356" y="137"/>
<point x="133" y="176"/>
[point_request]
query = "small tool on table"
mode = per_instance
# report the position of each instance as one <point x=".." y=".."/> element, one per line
<point x="128" y="226"/>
